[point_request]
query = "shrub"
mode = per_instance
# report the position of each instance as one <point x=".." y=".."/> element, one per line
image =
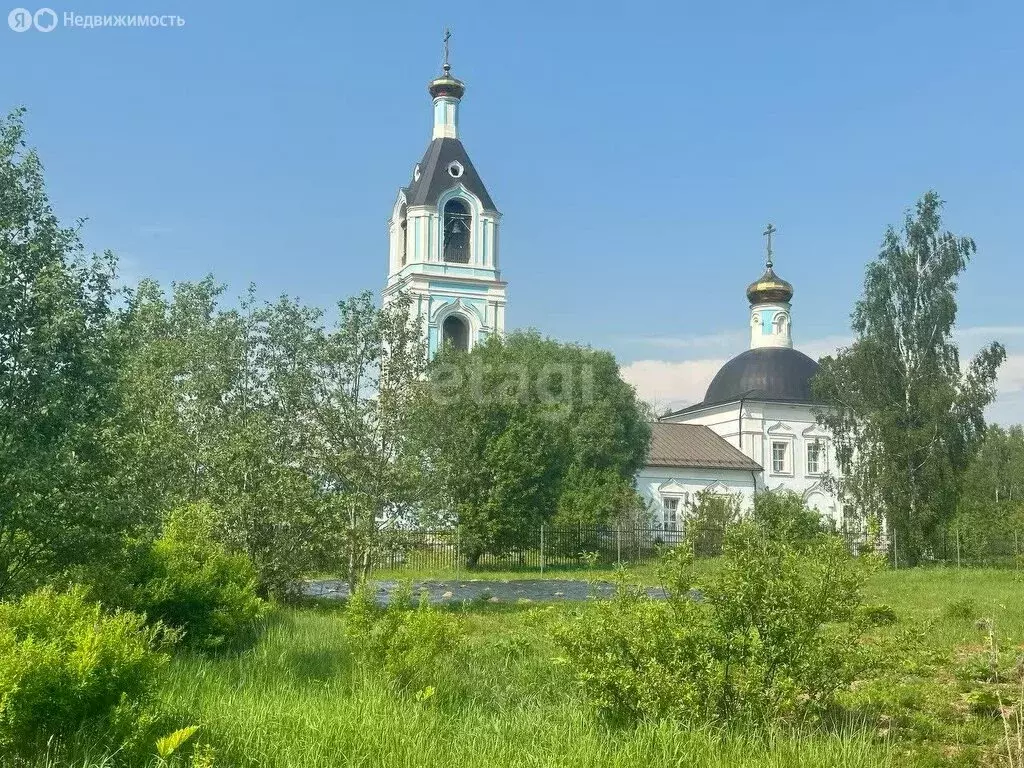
<point x="773" y="633"/>
<point x="65" y="666"/>
<point x="187" y="580"/>
<point x="783" y="515"/>
<point x="405" y="641"/>
<point x="707" y="522"/>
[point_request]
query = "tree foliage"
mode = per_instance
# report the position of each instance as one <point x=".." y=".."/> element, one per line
<point x="215" y="399"/>
<point x="990" y="514"/>
<point x="292" y="431"/>
<point x="525" y="429"/>
<point x="906" y="419"/>
<point x="117" y="409"/>
<point x="368" y="370"/>
<point x="59" y="500"/>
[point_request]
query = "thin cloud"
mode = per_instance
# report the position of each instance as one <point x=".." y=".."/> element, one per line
<point x="724" y="339"/>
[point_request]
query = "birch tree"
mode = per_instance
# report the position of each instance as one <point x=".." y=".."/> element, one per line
<point x="906" y="416"/>
<point x="370" y="366"/>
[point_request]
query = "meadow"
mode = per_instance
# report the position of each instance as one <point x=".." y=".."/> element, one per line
<point x="301" y="698"/>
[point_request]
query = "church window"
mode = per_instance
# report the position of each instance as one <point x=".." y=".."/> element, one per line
<point x="780" y="457"/>
<point x="456" y="231"/>
<point x="403" y="233"/>
<point x="671" y="506"/>
<point x="455" y="331"/>
<point x="455" y="169"/>
<point x="815" y="458"/>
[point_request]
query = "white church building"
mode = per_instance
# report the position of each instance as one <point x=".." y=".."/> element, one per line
<point x="755" y="428"/>
<point x="760" y="403"/>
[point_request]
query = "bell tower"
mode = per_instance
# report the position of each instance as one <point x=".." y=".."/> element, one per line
<point x="443" y="234"/>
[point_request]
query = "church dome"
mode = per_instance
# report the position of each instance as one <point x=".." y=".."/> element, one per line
<point x="447" y="85"/>
<point x="769" y="287"/>
<point x="765" y="373"/>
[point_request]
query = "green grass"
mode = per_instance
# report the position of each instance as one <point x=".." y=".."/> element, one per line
<point x="922" y="595"/>
<point x="300" y="699"/>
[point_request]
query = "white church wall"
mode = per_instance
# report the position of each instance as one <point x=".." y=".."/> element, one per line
<point x="720" y="418"/>
<point x="791" y="424"/>
<point x="674" y="488"/>
<point x="795" y="427"/>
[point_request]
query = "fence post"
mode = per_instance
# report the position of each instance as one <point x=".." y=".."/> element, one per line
<point x="618" y="544"/>
<point x="895" y="557"/>
<point x="458" y="550"/>
<point x="542" y="549"/>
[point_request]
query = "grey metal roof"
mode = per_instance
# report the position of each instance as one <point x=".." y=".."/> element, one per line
<point x="435" y="180"/>
<point x="768" y="374"/>
<point x="694" y="446"/>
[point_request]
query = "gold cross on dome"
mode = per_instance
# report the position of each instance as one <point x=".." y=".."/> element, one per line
<point x="447" y="36"/>
<point x="768" y="232"/>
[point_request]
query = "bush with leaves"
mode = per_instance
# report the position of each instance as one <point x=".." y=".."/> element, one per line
<point x="783" y="515"/>
<point x="66" y="667"/>
<point x="707" y="521"/>
<point x="405" y="640"/>
<point x="773" y="632"/>
<point x="187" y="580"/>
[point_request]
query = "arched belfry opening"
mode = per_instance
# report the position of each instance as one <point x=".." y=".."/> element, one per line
<point x="403" y="232"/>
<point x="455" y="332"/>
<point x="457" y="221"/>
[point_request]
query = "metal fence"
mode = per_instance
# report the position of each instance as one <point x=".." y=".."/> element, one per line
<point x="577" y="546"/>
<point x="953" y="547"/>
<point x="971" y="546"/>
<point x="546" y="546"/>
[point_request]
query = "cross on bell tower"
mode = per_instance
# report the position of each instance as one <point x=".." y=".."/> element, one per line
<point x="445" y="66"/>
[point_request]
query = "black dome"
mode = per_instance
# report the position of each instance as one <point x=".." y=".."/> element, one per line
<point x="768" y="373"/>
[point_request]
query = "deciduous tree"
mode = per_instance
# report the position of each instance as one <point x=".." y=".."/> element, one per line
<point x="524" y="429"/>
<point x="906" y="419"/>
<point x="370" y="365"/>
<point x="58" y="500"/>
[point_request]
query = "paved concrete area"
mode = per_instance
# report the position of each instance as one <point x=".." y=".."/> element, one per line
<point x="441" y="592"/>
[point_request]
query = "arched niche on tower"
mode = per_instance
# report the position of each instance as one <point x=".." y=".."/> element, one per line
<point x="455" y="332"/>
<point x="403" y="234"/>
<point x="465" y="311"/>
<point x="398" y="234"/>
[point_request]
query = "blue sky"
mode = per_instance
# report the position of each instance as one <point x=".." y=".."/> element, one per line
<point x="635" y="149"/>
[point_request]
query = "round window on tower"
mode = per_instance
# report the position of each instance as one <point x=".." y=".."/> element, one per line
<point x="416" y="172"/>
<point x="455" y="169"/>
